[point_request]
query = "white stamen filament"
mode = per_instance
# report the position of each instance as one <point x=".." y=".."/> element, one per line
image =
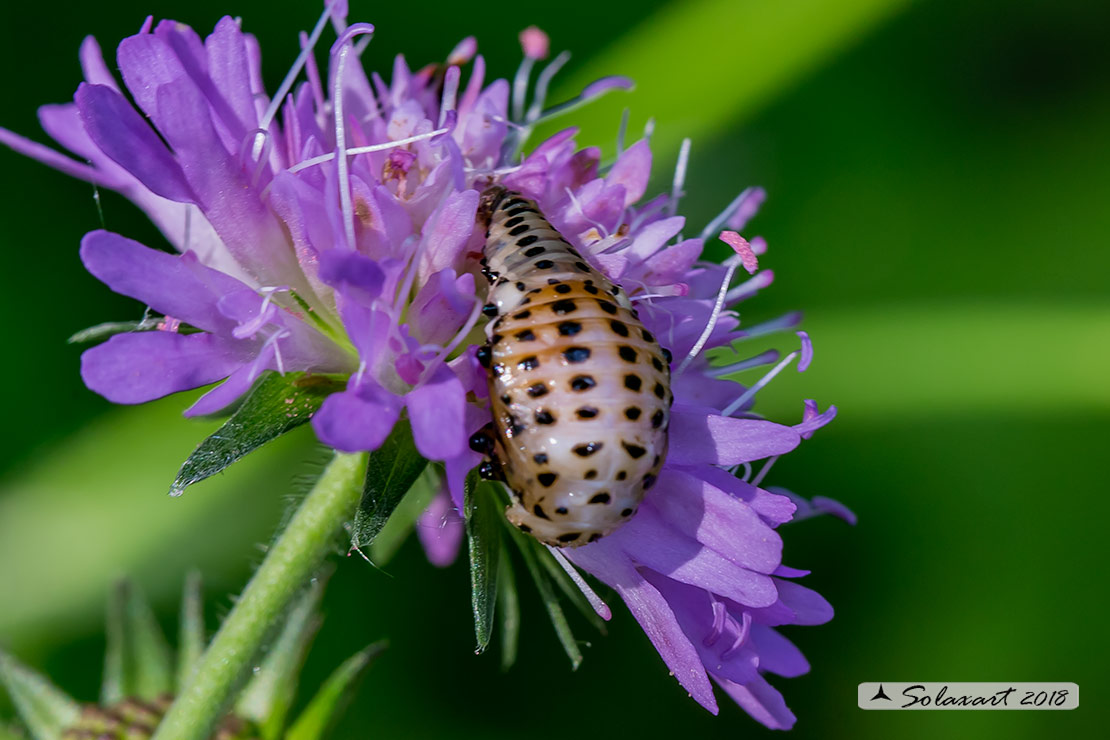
<point x="599" y="606"/>
<point x="718" y="306"/>
<point x="750" y="392"/>
<point x="764" y="470"/>
<point x="543" y="81"/>
<point x="520" y="86"/>
<point x="305" y="164"/>
<point x="763" y="358"/>
<point x="649" y="129"/>
<point x="715" y="225"/>
<point x="679" y="178"/>
<point x="450" y="93"/>
<point x="341" y="149"/>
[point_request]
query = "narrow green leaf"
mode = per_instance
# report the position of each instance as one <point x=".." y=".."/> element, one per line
<point x="10" y="733"/>
<point x="43" y="707"/>
<point x="391" y="472"/>
<point x="324" y="709"/>
<point x="401" y="523"/>
<point x="549" y="597"/>
<point x="269" y="695"/>
<point x="276" y="404"/>
<point x="137" y="661"/>
<point x="192" y="635"/>
<point x="567" y="586"/>
<point x="100" y="332"/>
<point x="483" y="532"/>
<point x="508" y="605"/>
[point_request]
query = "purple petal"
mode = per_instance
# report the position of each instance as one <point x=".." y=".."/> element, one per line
<point x="229" y="71"/>
<point x="807" y="351"/>
<point x="447" y="231"/>
<point x="651" y="238"/>
<point x="353" y="274"/>
<point x="773" y="507"/>
<point x="699" y="438"/>
<point x="777" y="654"/>
<point x="440" y="529"/>
<point x="93" y="66"/>
<point x="442" y="305"/>
<point x="55" y="159"/>
<point x="122" y="134"/>
<point x="761" y="700"/>
<point x="227" y="392"/>
<point x="651" y="610"/>
<point x="436" y="410"/>
<point x="650" y="540"/>
<point x="796" y="605"/>
<point x="357" y="419"/>
<point x="177" y="286"/>
<point x="717" y="520"/>
<point x="135" y="368"/>
<point x="632" y="169"/>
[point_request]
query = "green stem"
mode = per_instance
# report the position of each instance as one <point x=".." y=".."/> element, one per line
<point x="288" y="565"/>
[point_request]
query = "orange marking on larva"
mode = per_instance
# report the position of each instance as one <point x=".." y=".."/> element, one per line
<point x="576" y="440"/>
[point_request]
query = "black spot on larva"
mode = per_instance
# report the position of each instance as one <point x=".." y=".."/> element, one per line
<point x="657" y="364"/>
<point x="553" y="281"/>
<point x="582" y="383"/>
<point x="655" y="462"/>
<point x="524" y="528"/>
<point x="635" y="313"/>
<point x="576" y="354"/>
<point x="490" y="309"/>
<point x="540" y="458"/>
<point x="544" y="265"/>
<point x="502" y="280"/>
<point x="622" y="475"/>
<point x="649" y="481"/>
<point x="659" y="390"/>
<point x="561" y="510"/>
<point x="538" y="511"/>
<point x="590" y="474"/>
<point x="582" y="267"/>
<point x="534" y="251"/>
<point x="618" y="328"/>
<point x="562" y="288"/>
<point x="599" y="498"/>
<point x="633" y="382"/>
<point x="481" y="442"/>
<point x="627" y="512"/>
<point x="535" y="290"/>
<point x="634" y="451"/>
<point x="518" y="201"/>
<point x="627" y="353"/>
<point x="521" y="211"/>
<point x="495" y="339"/>
<point x="529" y="363"/>
<point x="632" y="412"/>
<point x="525" y="336"/>
<point x="483" y="262"/>
<point x="607" y="307"/>
<point x="539" y="389"/>
<point x="520" y="286"/>
<point x="543" y="416"/>
<point x="586" y="412"/>
<point x="647" y="335"/>
<point x="498" y="370"/>
<point x="569" y="328"/>
<point x="524" y="241"/>
<point x="546" y="479"/>
<point x="526" y="301"/>
<point x="488" y="470"/>
<point x="484" y="354"/>
<point x="515" y="221"/>
<point x="569" y="536"/>
<point x="615" y="290"/>
<point x="594" y="537"/>
<point x="591" y="289"/>
<point x="564" y="306"/>
<point x="657" y="419"/>
<point x="585" y="450"/>
<point x="506" y="400"/>
<point x="516" y="428"/>
<point x="667" y="355"/>
<point x="519" y="230"/>
<point x="521" y="315"/>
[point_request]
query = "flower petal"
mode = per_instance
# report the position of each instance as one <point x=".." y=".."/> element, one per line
<point x="436" y="410"/>
<point x="357" y="419"/>
<point x="699" y="438"/>
<point x="761" y="700"/>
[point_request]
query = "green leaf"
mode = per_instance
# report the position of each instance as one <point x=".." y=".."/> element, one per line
<point x="109" y="329"/>
<point x="43" y="707"/>
<point x="192" y="636"/>
<point x="483" y="530"/>
<point x="324" y="709"/>
<point x="269" y="695"/>
<point x="398" y="527"/>
<point x="391" y="472"/>
<point x="276" y="404"/>
<point x="508" y="606"/>
<point x="548" y="595"/>
<point x="567" y="586"/>
<point x="137" y="660"/>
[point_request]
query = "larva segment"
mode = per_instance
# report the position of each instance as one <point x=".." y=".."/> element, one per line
<point x="579" y="389"/>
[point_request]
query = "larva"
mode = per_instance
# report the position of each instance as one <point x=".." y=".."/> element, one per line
<point x="579" y="389"/>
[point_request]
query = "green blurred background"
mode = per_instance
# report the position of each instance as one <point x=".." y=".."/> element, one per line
<point x="938" y="186"/>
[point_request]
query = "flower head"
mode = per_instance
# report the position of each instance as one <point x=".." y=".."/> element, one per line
<point x="332" y="228"/>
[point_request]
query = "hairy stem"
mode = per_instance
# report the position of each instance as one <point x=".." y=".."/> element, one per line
<point x="288" y="565"/>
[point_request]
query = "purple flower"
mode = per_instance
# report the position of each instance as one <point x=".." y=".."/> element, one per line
<point x="331" y="228"/>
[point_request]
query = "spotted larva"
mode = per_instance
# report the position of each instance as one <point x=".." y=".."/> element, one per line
<point x="579" y="389"/>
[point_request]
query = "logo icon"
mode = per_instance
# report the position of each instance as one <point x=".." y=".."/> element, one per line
<point x="881" y="694"/>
